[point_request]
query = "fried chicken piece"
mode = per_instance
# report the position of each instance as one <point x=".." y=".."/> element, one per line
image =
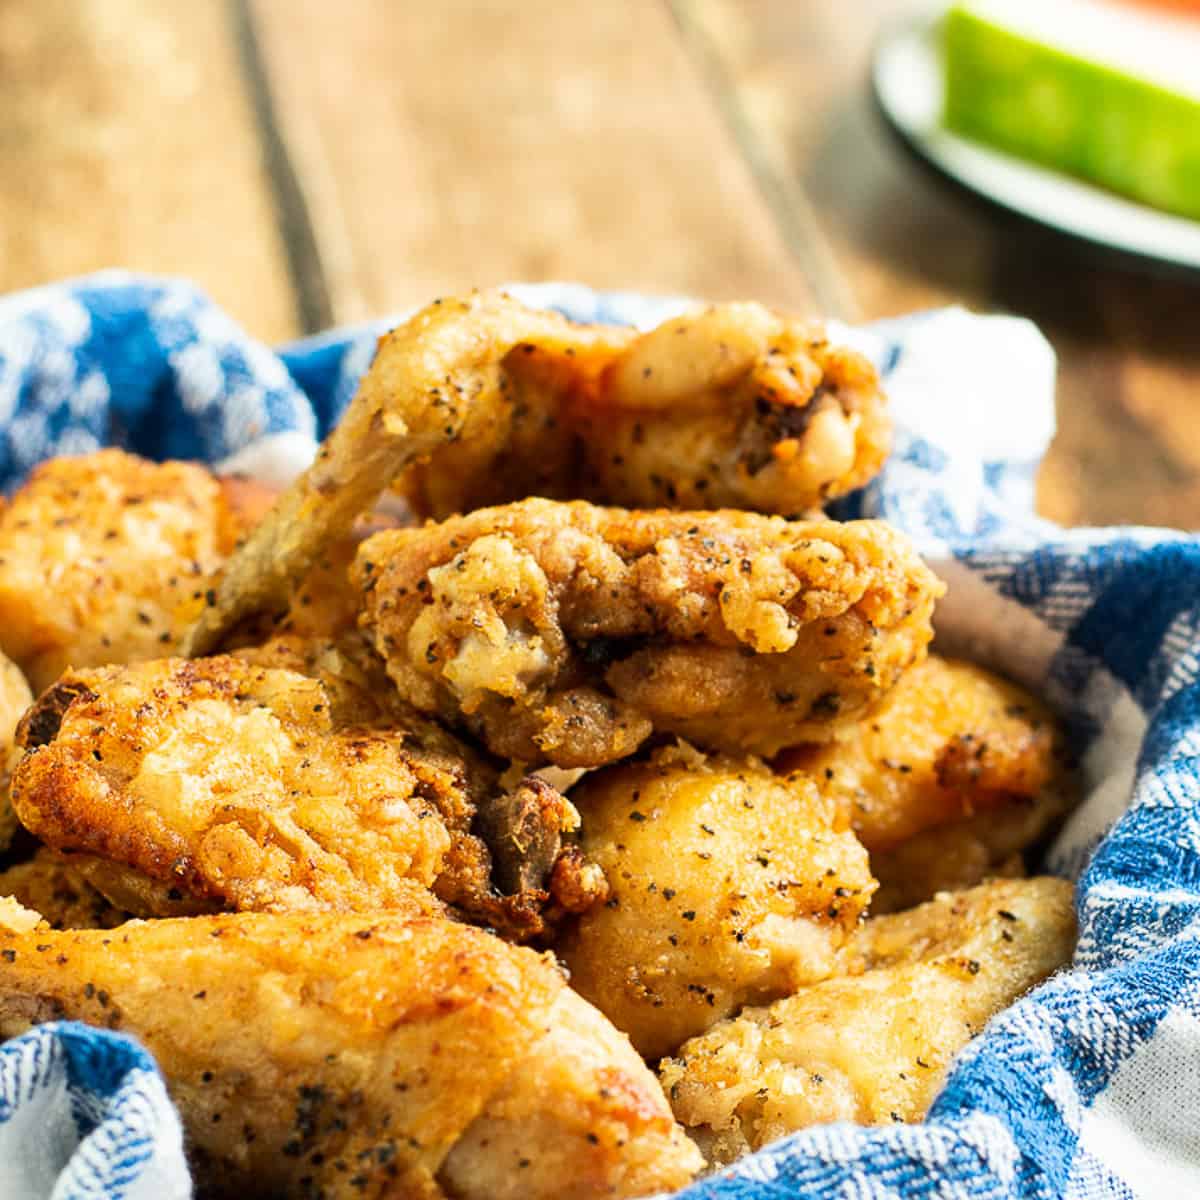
<point x="51" y="885"/>
<point x="952" y="774"/>
<point x="481" y="399"/>
<point x="874" y="1047"/>
<point x="729" y="886"/>
<point x="246" y="785"/>
<point x="565" y="633"/>
<point x="106" y="558"/>
<point x="383" y="1056"/>
<point x="15" y="698"/>
<point x="728" y="407"/>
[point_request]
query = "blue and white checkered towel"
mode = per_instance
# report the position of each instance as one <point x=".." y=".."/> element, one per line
<point x="1089" y="1087"/>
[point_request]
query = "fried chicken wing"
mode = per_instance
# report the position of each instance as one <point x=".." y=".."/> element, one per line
<point x="873" y="1047"/>
<point x="346" y="1057"/>
<point x="246" y="785"/>
<point x="15" y="698"/>
<point x="565" y="633"/>
<point x="481" y="400"/>
<point x="106" y="558"/>
<point x="51" y="885"/>
<point x="728" y="407"/>
<point x="953" y="773"/>
<point x="729" y="886"/>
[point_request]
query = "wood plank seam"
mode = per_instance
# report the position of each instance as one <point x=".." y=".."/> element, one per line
<point x="314" y="311"/>
<point x="793" y="214"/>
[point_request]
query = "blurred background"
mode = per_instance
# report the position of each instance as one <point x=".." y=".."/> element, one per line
<point x="312" y="163"/>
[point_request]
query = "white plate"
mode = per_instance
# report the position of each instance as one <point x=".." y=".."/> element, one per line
<point x="908" y="81"/>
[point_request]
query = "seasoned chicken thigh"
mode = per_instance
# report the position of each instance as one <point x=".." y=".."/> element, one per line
<point x="731" y="406"/>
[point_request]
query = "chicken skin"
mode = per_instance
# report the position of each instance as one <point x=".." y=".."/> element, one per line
<point x="950" y="776"/>
<point x="480" y="400"/>
<point x="336" y="1056"/>
<point x="731" y="406"/>
<point x="247" y="786"/>
<point x="565" y="633"/>
<point x="873" y="1047"/>
<point x="729" y="886"/>
<point x="15" y="698"/>
<point x="106" y="558"/>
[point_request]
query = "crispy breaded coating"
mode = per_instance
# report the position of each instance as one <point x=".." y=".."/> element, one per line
<point x="565" y="633"/>
<point x="953" y="773"/>
<point x="731" y="406"/>
<point x="234" y="782"/>
<point x="726" y="407"/>
<point x="15" y="698"/>
<point x="873" y="1047"/>
<point x="106" y="558"/>
<point x="247" y="786"/>
<point x="378" y="1056"/>
<point x="729" y="886"/>
<point x="51" y="885"/>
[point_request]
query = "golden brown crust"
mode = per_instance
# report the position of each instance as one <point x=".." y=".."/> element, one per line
<point x="381" y="1056"/>
<point x="726" y="407"/>
<point x="565" y="632"/>
<point x="729" y="886"/>
<point x="234" y="783"/>
<point x="873" y="1047"/>
<point x="951" y="775"/>
<point x="106" y="558"/>
<point x="514" y="871"/>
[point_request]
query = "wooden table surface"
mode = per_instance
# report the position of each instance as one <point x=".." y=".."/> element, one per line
<point x="312" y="163"/>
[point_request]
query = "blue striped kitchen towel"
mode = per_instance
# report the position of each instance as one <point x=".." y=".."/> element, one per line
<point x="1087" y="1088"/>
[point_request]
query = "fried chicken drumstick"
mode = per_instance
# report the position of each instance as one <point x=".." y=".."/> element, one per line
<point x="564" y="633"/>
<point x="256" y="787"/>
<point x="481" y="400"/>
<point x="389" y="1056"/>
